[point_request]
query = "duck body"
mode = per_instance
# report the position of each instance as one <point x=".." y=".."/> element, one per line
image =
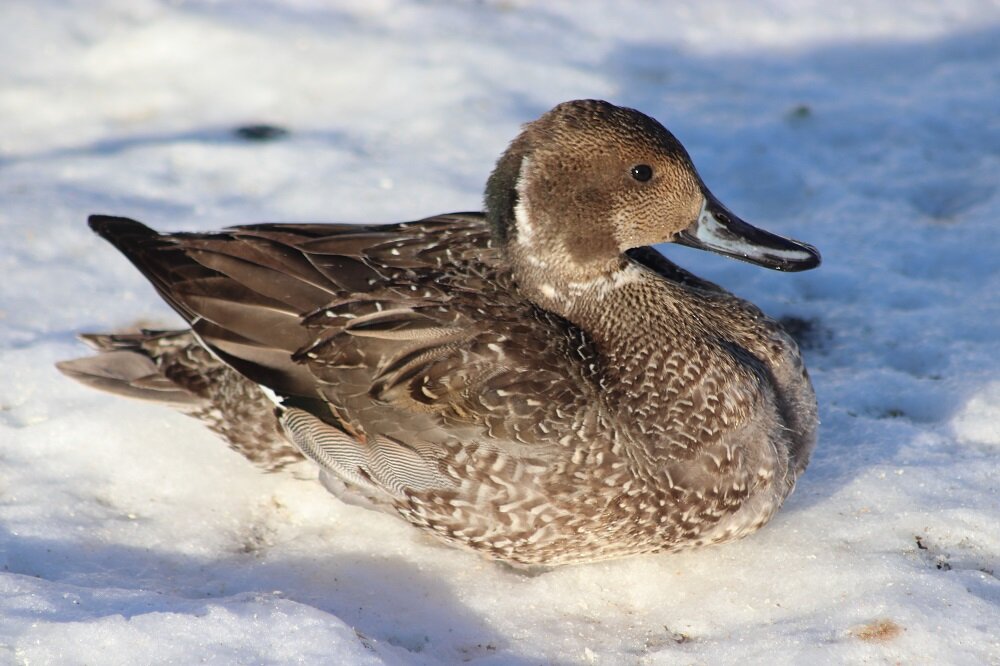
<point x="534" y="383"/>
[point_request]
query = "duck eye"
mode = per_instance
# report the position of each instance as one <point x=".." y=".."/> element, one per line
<point x="642" y="172"/>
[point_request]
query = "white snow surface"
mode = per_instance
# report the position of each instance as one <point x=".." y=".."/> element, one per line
<point x="130" y="534"/>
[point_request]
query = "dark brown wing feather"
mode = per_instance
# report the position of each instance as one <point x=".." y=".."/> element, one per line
<point x="407" y="331"/>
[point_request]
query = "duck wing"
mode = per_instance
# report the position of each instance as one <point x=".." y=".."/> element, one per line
<point x="397" y="351"/>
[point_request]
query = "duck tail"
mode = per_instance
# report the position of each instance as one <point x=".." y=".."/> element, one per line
<point x="126" y="365"/>
<point x="171" y="368"/>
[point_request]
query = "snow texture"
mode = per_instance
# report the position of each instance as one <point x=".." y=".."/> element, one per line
<point x="129" y="534"/>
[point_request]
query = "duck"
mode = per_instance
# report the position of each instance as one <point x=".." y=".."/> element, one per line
<point x="535" y="382"/>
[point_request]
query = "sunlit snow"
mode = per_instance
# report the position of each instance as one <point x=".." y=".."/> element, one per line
<point x="130" y="534"/>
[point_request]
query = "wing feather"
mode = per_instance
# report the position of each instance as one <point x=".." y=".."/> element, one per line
<point x="394" y="346"/>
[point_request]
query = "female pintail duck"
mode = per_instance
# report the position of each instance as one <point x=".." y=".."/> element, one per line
<point x="534" y="383"/>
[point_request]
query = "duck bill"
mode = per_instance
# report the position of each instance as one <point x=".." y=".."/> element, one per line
<point x="720" y="231"/>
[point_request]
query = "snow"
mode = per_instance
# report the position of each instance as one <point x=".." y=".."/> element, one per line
<point x="130" y="534"/>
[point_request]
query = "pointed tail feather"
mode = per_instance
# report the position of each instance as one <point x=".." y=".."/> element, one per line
<point x="131" y="374"/>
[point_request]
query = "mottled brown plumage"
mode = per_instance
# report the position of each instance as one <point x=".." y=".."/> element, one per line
<point x="534" y="383"/>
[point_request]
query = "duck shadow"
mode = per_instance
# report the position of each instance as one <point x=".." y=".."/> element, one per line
<point x="386" y="600"/>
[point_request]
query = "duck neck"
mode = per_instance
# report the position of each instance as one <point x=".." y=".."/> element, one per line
<point x="628" y="314"/>
<point x="622" y="306"/>
<point x="559" y="285"/>
<point x="638" y="326"/>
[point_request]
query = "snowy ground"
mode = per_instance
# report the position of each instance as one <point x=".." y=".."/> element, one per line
<point x="129" y="534"/>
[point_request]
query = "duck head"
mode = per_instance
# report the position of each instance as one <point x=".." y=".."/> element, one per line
<point x="589" y="180"/>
